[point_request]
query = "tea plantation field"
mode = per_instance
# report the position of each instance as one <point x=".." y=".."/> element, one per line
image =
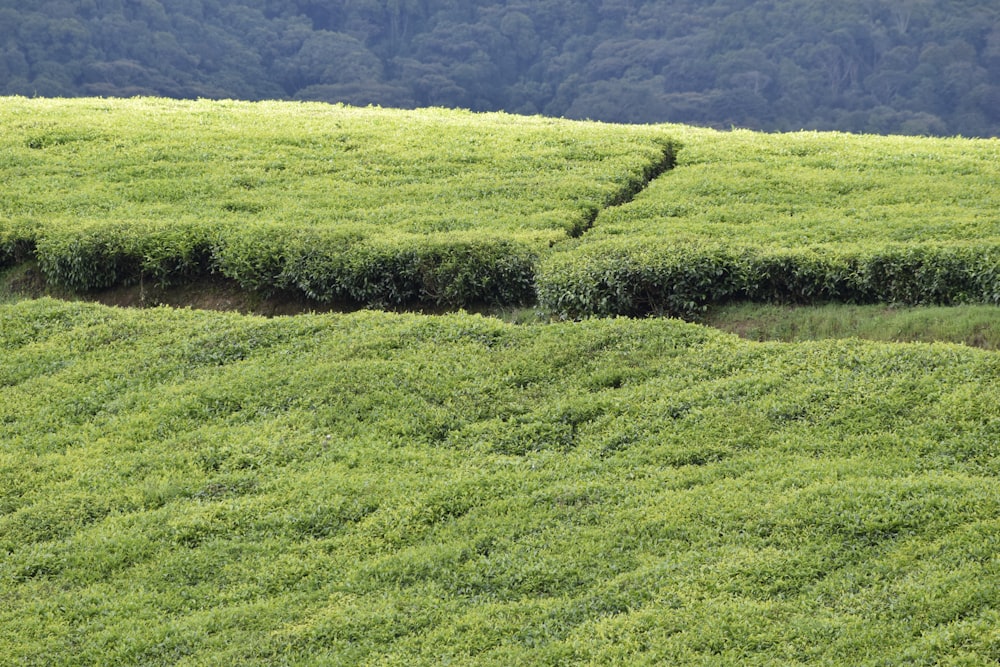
<point x="368" y="206"/>
<point x="184" y="488"/>
<point x="805" y="217"/>
<point x="448" y="208"/>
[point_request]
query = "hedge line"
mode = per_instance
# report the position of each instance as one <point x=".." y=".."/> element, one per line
<point x="614" y="277"/>
<point x="378" y="206"/>
<point x="104" y="255"/>
<point x="341" y="264"/>
<point x="17" y="243"/>
<point x="325" y="264"/>
<point x="681" y="280"/>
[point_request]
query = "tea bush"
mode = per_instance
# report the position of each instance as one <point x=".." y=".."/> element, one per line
<point x="373" y="205"/>
<point x="184" y="487"/>
<point x="681" y="279"/>
<point x="795" y="218"/>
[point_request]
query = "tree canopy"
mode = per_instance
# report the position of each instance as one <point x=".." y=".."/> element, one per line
<point x="883" y="66"/>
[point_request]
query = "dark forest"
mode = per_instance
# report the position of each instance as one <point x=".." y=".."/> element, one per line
<point x="879" y="66"/>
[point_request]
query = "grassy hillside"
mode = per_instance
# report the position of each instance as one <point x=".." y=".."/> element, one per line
<point x="182" y="487"/>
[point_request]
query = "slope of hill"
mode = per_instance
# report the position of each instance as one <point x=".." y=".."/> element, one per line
<point x="371" y="206"/>
<point x="803" y="217"/>
<point x="182" y="487"/>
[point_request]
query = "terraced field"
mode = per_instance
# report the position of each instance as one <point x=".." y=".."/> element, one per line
<point x="388" y="208"/>
<point x="369" y="206"/>
<point x="185" y="487"/>
<point x="794" y="218"/>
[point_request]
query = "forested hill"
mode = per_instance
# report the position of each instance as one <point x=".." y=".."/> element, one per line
<point x="884" y="66"/>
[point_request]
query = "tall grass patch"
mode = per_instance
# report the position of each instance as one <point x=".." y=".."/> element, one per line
<point x="977" y="326"/>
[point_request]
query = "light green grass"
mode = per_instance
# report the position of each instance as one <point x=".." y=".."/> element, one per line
<point x="86" y="162"/>
<point x="193" y="488"/>
<point x="978" y="326"/>
<point x="818" y="189"/>
<point x="183" y="488"/>
<point x="449" y="208"/>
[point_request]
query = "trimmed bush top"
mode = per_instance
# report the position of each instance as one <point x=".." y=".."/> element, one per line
<point x="385" y="207"/>
<point x="184" y="487"/>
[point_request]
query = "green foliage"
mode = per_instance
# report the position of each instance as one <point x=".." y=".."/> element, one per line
<point x="183" y="487"/>
<point x="85" y="257"/>
<point x="366" y="205"/>
<point x="386" y="208"/>
<point x="638" y="279"/>
<point x="641" y="276"/>
<point x="794" y="218"/>
<point x="17" y="243"/>
<point x="332" y="265"/>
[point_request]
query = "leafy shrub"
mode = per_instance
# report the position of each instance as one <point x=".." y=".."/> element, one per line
<point x="89" y="257"/>
<point x="377" y="488"/>
<point x="931" y="274"/>
<point x="620" y="278"/>
<point x="341" y="264"/>
<point x="373" y="206"/>
<point x="17" y="242"/>
<point x="629" y="278"/>
<point x="794" y="218"/>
